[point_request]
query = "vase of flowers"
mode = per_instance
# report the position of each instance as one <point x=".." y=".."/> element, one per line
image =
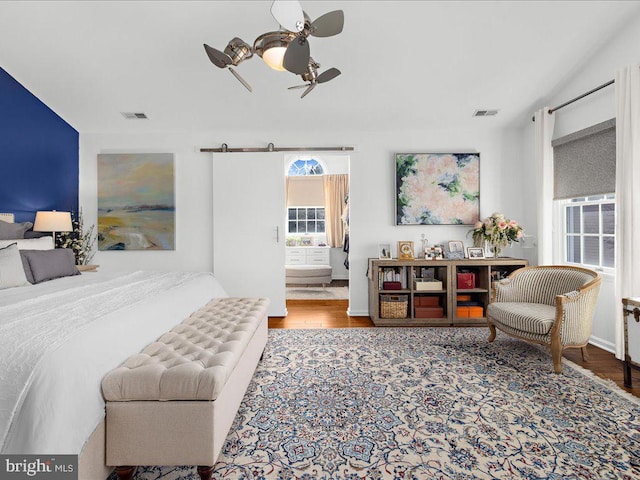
<point x="497" y="231"/>
<point x="79" y="241"/>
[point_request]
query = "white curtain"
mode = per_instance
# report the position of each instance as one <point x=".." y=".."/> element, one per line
<point x="627" y="86"/>
<point x="544" y="183"/>
<point x="336" y="189"/>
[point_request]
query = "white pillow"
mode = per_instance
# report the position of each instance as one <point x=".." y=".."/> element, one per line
<point x="11" y="268"/>
<point x="42" y="243"/>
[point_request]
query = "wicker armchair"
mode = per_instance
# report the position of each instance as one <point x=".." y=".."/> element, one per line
<point x="551" y="305"/>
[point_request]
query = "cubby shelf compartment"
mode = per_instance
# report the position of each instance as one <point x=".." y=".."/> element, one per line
<point x="445" y="271"/>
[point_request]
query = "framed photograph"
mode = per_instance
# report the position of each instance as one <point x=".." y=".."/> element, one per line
<point x="405" y="250"/>
<point x="437" y="188"/>
<point x="384" y="251"/>
<point x="434" y="253"/>
<point x="475" y="252"/>
<point x="306" y="241"/>
<point x="455" y="246"/>
<point x="455" y="250"/>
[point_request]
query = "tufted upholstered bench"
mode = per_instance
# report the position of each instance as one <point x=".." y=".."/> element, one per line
<point x="308" y="274"/>
<point x="174" y="403"/>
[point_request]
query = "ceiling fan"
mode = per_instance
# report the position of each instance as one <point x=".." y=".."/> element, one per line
<point x="287" y="49"/>
<point x="311" y="76"/>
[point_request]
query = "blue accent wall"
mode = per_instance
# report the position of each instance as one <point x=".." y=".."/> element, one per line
<point x="39" y="157"/>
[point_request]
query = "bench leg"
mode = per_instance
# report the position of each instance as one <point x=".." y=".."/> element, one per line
<point x="205" y="472"/>
<point x="125" y="473"/>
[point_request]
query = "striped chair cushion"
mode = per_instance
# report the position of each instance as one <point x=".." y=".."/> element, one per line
<point x="536" y="318"/>
<point x="541" y="285"/>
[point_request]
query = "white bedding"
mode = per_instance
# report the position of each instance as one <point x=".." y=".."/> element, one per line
<point x="71" y="332"/>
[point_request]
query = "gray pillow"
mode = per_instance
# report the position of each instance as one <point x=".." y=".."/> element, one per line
<point x="25" y="265"/>
<point x="49" y="264"/>
<point x="11" y="271"/>
<point x="10" y="231"/>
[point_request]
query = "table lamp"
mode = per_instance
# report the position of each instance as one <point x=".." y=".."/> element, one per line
<point x="53" y="222"/>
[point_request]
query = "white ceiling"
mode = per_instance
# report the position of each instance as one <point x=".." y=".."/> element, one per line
<point x="404" y="63"/>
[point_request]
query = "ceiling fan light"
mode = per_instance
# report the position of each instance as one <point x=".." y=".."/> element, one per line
<point x="271" y="47"/>
<point x="274" y="57"/>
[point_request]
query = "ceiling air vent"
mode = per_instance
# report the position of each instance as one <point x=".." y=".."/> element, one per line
<point x="485" y="113"/>
<point x="134" y="115"/>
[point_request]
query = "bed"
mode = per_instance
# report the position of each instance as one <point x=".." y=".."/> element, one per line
<point x="50" y="397"/>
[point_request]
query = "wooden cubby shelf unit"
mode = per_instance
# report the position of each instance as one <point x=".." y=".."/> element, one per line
<point x="429" y="288"/>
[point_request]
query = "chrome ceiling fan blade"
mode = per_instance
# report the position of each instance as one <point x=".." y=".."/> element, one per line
<point x="296" y="57"/>
<point x="289" y="14"/>
<point x="218" y="58"/>
<point x="308" y="90"/>
<point x="299" y="86"/>
<point x="328" y="75"/>
<point x="328" y="25"/>
<point x="241" y="80"/>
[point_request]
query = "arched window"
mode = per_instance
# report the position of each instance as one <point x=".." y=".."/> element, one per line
<point x="305" y="197"/>
<point x="305" y="167"/>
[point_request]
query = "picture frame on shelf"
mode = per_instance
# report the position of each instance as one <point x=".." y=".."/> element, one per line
<point x="455" y="246"/>
<point x="384" y="251"/>
<point x="306" y="241"/>
<point x="455" y="250"/>
<point x="434" y="252"/>
<point x="475" y="253"/>
<point x="405" y="250"/>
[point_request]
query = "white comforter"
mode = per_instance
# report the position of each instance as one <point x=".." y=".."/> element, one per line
<point x="59" y="338"/>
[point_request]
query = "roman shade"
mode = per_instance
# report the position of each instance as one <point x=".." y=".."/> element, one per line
<point x="305" y="191"/>
<point x="585" y="162"/>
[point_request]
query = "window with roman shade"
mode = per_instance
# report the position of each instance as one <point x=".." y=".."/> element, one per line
<point x="584" y="162"/>
<point x="584" y="187"/>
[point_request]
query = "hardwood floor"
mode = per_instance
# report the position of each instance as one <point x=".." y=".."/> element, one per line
<point x="333" y="314"/>
<point x="318" y="314"/>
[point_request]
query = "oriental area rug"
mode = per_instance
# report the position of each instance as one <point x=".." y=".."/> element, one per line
<point x="422" y="403"/>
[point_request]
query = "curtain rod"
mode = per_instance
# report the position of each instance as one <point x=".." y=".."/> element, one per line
<point x="579" y="97"/>
<point x="224" y="148"/>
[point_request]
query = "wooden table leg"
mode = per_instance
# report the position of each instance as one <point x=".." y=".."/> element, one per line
<point x="626" y="369"/>
<point x="205" y="472"/>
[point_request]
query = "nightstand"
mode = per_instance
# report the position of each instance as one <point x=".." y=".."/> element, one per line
<point x="88" y="268"/>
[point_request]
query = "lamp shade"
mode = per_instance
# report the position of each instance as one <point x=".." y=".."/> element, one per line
<point x="271" y="46"/>
<point x="53" y="222"/>
<point x="274" y="57"/>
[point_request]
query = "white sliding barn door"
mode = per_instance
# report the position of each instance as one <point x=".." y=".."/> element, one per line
<point x="248" y="226"/>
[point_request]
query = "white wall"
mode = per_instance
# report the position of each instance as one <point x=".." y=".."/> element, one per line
<point x="371" y="190"/>
<point x="598" y="107"/>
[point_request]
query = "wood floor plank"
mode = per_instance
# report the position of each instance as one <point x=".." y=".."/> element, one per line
<point x="333" y="314"/>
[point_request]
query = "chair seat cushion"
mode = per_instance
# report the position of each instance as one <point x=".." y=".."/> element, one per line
<point x="524" y="317"/>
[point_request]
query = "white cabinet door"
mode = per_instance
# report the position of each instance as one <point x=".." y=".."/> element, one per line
<point x="248" y="226"/>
